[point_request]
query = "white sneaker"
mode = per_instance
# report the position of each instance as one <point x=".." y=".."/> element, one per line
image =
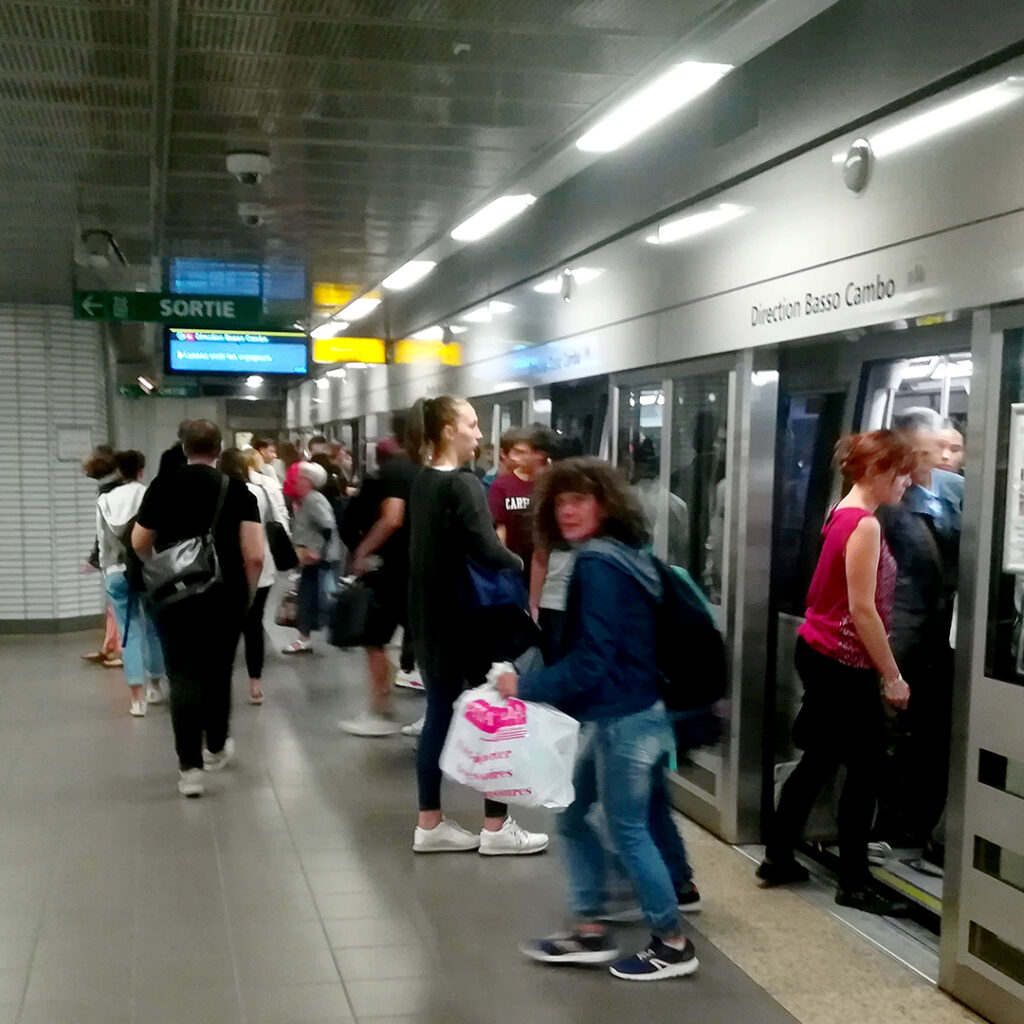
<point x="512" y="839"/>
<point x="215" y="762"/>
<point x="415" y="729"/>
<point x="370" y="724"/>
<point x="137" y="709"/>
<point x="154" y="694"/>
<point x="190" y="782"/>
<point x="409" y="680"/>
<point x="448" y="837"/>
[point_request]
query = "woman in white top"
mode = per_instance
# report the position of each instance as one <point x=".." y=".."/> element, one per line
<point x="142" y="653"/>
<point x="236" y="463"/>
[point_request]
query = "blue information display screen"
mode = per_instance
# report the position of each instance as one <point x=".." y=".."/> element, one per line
<point x="198" y="351"/>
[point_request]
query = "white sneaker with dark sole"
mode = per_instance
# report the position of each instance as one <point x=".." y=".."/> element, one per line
<point x="190" y="782"/>
<point x="448" y="837"/>
<point x="512" y="840"/>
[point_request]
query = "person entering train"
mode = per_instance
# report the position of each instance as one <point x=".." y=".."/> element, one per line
<point x="607" y="677"/>
<point x="449" y="525"/>
<point x="923" y="532"/>
<point x="842" y="648"/>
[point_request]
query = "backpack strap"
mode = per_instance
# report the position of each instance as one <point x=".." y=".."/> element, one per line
<point x="220" y="503"/>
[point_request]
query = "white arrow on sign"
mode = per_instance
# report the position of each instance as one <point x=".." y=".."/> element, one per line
<point x="91" y="306"/>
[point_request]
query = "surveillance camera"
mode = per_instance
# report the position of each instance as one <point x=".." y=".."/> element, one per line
<point x="252" y="215"/>
<point x="248" y="168"/>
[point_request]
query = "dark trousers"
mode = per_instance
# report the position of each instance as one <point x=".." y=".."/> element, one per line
<point x="441" y="696"/>
<point x="840" y="723"/>
<point x="552" y="626"/>
<point x="254" y="636"/>
<point x="200" y="636"/>
<point x="310" y="589"/>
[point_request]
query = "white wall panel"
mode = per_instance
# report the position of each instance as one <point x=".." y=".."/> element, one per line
<point x="51" y="379"/>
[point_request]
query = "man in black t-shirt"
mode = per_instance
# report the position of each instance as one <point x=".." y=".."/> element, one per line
<point x="382" y="556"/>
<point x="200" y="632"/>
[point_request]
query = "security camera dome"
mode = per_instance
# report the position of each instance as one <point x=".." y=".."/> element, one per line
<point x="248" y="168"/>
<point x="252" y="214"/>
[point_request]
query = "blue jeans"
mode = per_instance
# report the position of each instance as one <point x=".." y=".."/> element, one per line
<point x="141" y="651"/>
<point x="620" y="766"/>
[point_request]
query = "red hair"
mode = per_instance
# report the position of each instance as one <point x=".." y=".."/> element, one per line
<point x="877" y="451"/>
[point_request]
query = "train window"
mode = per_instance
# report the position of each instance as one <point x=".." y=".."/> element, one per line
<point x="511" y="415"/>
<point x="578" y="412"/>
<point x="697" y="486"/>
<point x="812" y="427"/>
<point x="641" y="426"/>
<point x="1004" y="649"/>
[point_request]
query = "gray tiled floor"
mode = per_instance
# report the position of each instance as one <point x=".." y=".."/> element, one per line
<point x="287" y="895"/>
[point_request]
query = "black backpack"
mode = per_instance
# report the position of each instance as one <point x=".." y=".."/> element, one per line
<point x="690" y="650"/>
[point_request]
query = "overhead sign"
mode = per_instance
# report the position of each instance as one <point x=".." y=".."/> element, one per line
<point x="412" y="350"/>
<point x="326" y="293"/>
<point x="165" y="308"/>
<point x="195" y="350"/>
<point x="186" y="389"/>
<point x="348" y="350"/>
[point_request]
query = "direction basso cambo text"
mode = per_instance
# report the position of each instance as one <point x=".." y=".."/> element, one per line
<point x="853" y="294"/>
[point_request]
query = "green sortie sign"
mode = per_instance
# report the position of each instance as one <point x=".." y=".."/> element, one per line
<point x="164" y="308"/>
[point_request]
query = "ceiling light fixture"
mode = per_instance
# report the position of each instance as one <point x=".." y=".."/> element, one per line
<point x="580" y="275"/>
<point x="457" y="329"/>
<point x="338" y="374"/>
<point x="254" y="380"/>
<point x="493" y="216"/>
<point x="666" y="94"/>
<point x="485" y="314"/>
<point x="146" y="384"/>
<point x="942" y="118"/>
<point x="695" y="224"/>
<point x="322" y="384"/>
<point x="358" y="308"/>
<point x="331" y="329"/>
<point x="434" y="333"/>
<point x="408" y="274"/>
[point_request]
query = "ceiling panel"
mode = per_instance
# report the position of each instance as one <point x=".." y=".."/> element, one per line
<point x="385" y="120"/>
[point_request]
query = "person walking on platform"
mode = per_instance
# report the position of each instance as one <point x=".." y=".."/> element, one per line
<point x="238" y="465"/>
<point x="449" y="525"/>
<point x="376" y="530"/>
<point x="842" y="648"/>
<point x="141" y="650"/>
<point x="315" y="535"/>
<point x="200" y="630"/>
<point x="174" y="458"/>
<point x="608" y="678"/>
<point x="266" y="448"/>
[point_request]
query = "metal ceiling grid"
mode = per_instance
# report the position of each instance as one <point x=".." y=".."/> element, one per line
<point x="385" y="120"/>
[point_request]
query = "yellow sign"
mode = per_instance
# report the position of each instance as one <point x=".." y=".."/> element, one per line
<point x="326" y="293"/>
<point x="348" y="350"/>
<point x="410" y="350"/>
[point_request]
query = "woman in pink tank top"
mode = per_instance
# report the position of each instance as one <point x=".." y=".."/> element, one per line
<point x="842" y="650"/>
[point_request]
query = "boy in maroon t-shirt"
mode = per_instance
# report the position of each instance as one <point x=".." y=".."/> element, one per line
<point x="510" y="497"/>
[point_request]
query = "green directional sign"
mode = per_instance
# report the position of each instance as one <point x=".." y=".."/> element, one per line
<point x="222" y="311"/>
<point x="185" y="389"/>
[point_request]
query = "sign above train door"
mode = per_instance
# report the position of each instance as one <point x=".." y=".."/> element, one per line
<point x="164" y="308"/>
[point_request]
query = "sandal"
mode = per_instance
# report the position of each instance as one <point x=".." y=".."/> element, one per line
<point x="255" y="695"/>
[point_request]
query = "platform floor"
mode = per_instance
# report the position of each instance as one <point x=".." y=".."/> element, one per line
<point x="289" y="894"/>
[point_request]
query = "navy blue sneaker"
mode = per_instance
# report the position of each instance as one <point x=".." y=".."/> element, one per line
<point x="572" y="949"/>
<point x="657" y="961"/>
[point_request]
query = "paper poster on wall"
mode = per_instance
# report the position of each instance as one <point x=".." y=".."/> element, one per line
<point x="73" y="443"/>
<point x="1013" y="540"/>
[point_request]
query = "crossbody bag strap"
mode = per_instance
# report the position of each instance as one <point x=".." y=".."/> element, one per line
<point x="220" y="503"/>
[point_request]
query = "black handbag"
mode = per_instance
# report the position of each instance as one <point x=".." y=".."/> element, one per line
<point x="351" y="614"/>
<point x="281" y="548"/>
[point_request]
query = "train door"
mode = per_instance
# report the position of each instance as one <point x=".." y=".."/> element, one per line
<point x="689" y="439"/>
<point x="828" y="389"/>
<point x="982" y="951"/>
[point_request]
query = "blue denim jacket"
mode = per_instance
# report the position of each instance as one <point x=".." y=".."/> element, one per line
<point x="608" y="666"/>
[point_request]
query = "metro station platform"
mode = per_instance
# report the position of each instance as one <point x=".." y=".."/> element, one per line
<point x="289" y="894"/>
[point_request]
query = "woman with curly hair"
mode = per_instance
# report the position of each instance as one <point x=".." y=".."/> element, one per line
<point x="607" y="677"/>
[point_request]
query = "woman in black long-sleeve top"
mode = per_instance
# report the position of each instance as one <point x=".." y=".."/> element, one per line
<point x="449" y="523"/>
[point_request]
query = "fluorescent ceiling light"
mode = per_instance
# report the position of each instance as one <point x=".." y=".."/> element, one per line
<point x="649" y="398"/>
<point x="358" y="308"/>
<point x="942" y="118"/>
<point x="331" y="329"/>
<point x="322" y="384"/>
<point x="250" y="398"/>
<point x="542" y="406"/>
<point x="485" y="314"/>
<point x="493" y="216"/>
<point x="580" y="275"/>
<point x="456" y="329"/>
<point x="338" y="374"/>
<point x="254" y="381"/>
<point x="408" y="274"/>
<point x="434" y="333"/>
<point x="666" y="94"/>
<point x="695" y="224"/>
<point x="919" y="368"/>
<point x="959" y="368"/>
<point x="146" y="384"/>
<point x="357" y="366"/>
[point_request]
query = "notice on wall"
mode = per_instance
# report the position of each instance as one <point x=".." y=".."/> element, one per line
<point x="1013" y="540"/>
<point x="73" y="443"/>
